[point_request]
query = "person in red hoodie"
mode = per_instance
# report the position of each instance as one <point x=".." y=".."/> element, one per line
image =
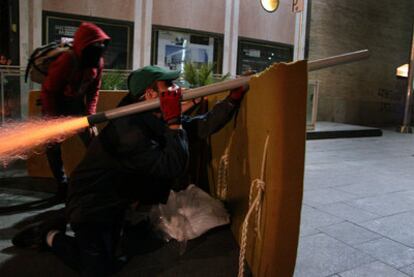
<point x="71" y="88"/>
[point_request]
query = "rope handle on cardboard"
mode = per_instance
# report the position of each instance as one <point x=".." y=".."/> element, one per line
<point x="223" y="171"/>
<point x="255" y="205"/>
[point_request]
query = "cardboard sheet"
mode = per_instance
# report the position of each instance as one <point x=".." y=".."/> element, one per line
<point x="274" y="106"/>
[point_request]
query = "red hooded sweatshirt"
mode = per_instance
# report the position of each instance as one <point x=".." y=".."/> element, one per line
<point x="68" y="88"/>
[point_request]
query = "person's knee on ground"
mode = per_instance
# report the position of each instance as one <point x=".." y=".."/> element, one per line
<point x="36" y="235"/>
<point x="50" y="237"/>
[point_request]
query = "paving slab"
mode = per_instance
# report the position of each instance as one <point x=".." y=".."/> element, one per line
<point x="326" y="177"/>
<point x="347" y="212"/>
<point x="378" y="171"/>
<point x="388" y="204"/>
<point x="320" y="255"/>
<point x="378" y="184"/>
<point x="398" y="227"/>
<point x="349" y="233"/>
<point x="375" y="269"/>
<point x="409" y="270"/>
<point x="312" y="218"/>
<point x="9" y="197"/>
<point x="389" y="252"/>
<point x="325" y="196"/>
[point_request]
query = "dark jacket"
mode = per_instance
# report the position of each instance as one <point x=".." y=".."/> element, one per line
<point x="135" y="158"/>
<point x="68" y="88"/>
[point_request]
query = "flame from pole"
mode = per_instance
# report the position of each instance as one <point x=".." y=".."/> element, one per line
<point x="19" y="140"/>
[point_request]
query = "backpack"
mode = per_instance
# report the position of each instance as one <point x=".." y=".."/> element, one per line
<point x="42" y="57"/>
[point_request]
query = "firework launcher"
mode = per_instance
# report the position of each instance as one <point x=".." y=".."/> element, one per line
<point x="219" y="87"/>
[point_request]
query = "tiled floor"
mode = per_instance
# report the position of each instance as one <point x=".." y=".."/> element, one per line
<point x="358" y="208"/>
<point x="357" y="215"/>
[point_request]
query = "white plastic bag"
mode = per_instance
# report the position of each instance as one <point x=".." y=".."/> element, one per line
<point x="188" y="214"/>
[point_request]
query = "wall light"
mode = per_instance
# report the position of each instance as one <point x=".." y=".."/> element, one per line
<point x="402" y="71"/>
<point x="270" y="5"/>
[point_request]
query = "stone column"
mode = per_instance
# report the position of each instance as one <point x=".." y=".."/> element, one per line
<point x="406" y="126"/>
<point x="36" y="23"/>
<point x="142" y="33"/>
<point x="300" y="7"/>
<point x="231" y="34"/>
<point x="24" y="53"/>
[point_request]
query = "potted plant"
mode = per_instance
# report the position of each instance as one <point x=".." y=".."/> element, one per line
<point x="196" y="75"/>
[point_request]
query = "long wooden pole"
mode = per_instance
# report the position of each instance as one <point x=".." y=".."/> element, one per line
<point x="220" y="87"/>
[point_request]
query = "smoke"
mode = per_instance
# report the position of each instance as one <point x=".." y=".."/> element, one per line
<point x="20" y="140"/>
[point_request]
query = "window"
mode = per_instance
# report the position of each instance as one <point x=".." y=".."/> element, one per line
<point x="172" y="48"/>
<point x="119" y="52"/>
<point x="257" y="56"/>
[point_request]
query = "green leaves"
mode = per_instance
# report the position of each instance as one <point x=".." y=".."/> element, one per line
<point x="114" y="81"/>
<point x="205" y="74"/>
<point x="191" y="74"/>
<point x="201" y="75"/>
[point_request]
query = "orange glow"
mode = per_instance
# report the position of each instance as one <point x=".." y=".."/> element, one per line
<point x="18" y="140"/>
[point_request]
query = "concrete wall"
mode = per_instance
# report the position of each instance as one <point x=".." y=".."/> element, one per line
<point x="255" y="22"/>
<point x="208" y="16"/>
<point x="114" y="9"/>
<point x="199" y="15"/>
<point x="366" y="92"/>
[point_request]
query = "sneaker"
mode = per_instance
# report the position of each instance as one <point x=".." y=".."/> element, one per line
<point x="34" y="236"/>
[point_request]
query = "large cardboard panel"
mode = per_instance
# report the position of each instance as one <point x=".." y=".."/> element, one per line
<point x="72" y="149"/>
<point x="274" y="106"/>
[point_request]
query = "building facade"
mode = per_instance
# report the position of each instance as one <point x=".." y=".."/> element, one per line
<point x="239" y="35"/>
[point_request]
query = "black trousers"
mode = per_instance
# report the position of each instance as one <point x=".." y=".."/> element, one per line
<point x="54" y="156"/>
<point x="92" y="251"/>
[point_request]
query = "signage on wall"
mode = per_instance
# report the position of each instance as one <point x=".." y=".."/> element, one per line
<point x="297" y="6"/>
<point x="57" y="26"/>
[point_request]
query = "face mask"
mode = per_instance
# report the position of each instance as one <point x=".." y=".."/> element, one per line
<point x="92" y="54"/>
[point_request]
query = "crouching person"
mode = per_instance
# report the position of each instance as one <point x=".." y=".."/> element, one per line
<point x="134" y="159"/>
<point x="147" y="82"/>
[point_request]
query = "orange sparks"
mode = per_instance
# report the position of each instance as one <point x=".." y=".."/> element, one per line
<point x="18" y="140"/>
